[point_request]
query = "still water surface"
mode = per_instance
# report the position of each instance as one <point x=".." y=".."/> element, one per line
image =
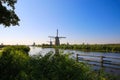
<point x="112" y="66"/>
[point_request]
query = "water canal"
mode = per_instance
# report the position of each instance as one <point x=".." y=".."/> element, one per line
<point x="111" y="65"/>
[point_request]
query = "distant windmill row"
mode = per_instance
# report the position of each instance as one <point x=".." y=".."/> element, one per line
<point x="57" y="41"/>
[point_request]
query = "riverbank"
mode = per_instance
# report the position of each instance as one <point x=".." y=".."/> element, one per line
<point x="16" y="64"/>
<point x="113" y="48"/>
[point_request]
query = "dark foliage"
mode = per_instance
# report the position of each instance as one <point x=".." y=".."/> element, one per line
<point x="58" y="67"/>
<point x="8" y="16"/>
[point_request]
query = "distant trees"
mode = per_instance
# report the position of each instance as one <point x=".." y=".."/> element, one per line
<point x="90" y="47"/>
<point x="8" y="16"/>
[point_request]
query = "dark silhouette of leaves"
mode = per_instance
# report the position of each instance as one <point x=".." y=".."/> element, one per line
<point x="8" y="16"/>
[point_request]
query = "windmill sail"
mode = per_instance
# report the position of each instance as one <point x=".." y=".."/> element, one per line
<point x="57" y="41"/>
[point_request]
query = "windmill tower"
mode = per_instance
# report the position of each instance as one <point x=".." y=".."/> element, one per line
<point x="57" y="41"/>
<point x="50" y="42"/>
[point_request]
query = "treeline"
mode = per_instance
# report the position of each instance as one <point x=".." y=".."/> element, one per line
<point x="16" y="64"/>
<point x="90" y="47"/>
<point x="96" y="47"/>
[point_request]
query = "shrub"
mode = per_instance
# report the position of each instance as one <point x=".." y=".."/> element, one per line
<point x="13" y="64"/>
<point x="59" y="67"/>
<point x="23" y="49"/>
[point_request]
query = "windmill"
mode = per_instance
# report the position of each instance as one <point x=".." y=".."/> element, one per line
<point x="33" y="44"/>
<point x="57" y="41"/>
<point x="50" y="42"/>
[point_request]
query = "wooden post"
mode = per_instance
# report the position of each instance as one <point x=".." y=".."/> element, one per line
<point x="102" y="61"/>
<point x="77" y="57"/>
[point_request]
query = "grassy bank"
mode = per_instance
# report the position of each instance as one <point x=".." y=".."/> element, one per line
<point x="16" y="64"/>
<point x="90" y="47"/>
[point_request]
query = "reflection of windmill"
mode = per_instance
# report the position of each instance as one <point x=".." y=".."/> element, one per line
<point x="57" y="41"/>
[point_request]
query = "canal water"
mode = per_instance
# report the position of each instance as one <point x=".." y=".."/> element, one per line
<point x="111" y="65"/>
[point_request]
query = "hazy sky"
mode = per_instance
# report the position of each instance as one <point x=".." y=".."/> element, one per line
<point x="88" y="21"/>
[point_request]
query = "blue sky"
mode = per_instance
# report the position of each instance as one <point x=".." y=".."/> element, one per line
<point x="88" y="21"/>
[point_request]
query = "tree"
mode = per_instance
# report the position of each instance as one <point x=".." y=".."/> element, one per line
<point x="8" y="16"/>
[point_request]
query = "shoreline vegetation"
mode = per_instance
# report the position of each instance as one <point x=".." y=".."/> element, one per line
<point x="16" y="64"/>
<point x="113" y="48"/>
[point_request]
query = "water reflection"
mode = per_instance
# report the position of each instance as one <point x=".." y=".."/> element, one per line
<point x="56" y="51"/>
<point x="111" y="68"/>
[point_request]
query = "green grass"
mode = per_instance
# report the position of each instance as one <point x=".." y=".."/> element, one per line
<point x="1" y="52"/>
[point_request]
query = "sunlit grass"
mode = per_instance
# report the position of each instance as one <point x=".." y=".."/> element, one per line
<point x="1" y="51"/>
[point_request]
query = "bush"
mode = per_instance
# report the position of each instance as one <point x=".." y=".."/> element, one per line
<point x="23" y="49"/>
<point x="60" y="67"/>
<point x="13" y="63"/>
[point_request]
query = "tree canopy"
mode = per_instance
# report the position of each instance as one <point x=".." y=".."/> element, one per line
<point x="8" y="16"/>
